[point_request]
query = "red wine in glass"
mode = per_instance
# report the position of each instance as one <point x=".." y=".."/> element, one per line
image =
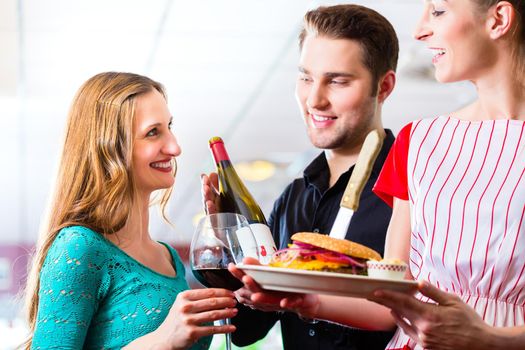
<point x="217" y="278"/>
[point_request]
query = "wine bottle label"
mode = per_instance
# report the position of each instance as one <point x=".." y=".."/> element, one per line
<point x="265" y="242"/>
<point x="247" y="243"/>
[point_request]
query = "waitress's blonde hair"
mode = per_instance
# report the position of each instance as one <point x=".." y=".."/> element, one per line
<point x="94" y="186"/>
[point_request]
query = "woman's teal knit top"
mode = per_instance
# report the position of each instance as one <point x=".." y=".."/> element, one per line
<point x="94" y="296"/>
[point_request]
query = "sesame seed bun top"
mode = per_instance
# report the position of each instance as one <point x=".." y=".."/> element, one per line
<point x="342" y="246"/>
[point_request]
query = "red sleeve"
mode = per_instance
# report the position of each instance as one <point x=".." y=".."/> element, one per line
<point x="392" y="181"/>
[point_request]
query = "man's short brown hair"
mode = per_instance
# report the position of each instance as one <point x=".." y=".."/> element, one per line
<point x="371" y="30"/>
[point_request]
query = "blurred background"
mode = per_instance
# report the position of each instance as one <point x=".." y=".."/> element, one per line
<point x="229" y="67"/>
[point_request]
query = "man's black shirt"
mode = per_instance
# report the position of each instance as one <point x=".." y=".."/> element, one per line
<point x="309" y="205"/>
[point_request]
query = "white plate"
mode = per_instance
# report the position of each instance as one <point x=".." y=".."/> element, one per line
<point x="302" y="281"/>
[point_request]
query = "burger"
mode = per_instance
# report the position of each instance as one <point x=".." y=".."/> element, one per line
<point x="318" y="252"/>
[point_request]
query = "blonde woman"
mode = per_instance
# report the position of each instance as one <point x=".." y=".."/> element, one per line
<point x="98" y="279"/>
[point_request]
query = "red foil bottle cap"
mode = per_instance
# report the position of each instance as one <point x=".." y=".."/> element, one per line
<point x="214" y="140"/>
<point x="217" y="149"/>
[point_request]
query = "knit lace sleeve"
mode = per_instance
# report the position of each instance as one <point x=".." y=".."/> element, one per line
<point x="72" y="282"/>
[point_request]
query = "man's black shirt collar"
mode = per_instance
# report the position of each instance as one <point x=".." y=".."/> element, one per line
<point x="316" y="172"/>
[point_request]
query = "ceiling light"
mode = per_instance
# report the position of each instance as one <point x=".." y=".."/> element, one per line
<point x="257" y="170"/>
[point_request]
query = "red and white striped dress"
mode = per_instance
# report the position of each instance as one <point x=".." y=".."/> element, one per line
<point x="466" y="186"/>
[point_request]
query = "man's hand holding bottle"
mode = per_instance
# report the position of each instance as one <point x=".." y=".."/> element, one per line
<point x="210" y="192"/>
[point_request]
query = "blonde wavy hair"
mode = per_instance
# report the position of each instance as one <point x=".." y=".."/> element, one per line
<point x="94" y="186"/>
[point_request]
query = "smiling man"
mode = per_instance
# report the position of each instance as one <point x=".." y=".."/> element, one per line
<point x="346" y="72"/>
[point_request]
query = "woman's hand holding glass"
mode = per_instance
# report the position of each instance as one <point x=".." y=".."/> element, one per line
<point x="192" y="315"/>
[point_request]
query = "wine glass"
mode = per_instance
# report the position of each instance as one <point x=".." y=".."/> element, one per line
<point x="220" y="239"/>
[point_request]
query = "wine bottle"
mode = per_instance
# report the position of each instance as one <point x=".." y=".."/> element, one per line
<point x="234" y="197"/>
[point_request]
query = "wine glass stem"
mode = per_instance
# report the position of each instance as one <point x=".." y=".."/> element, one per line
<point x="228" y="335"/>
